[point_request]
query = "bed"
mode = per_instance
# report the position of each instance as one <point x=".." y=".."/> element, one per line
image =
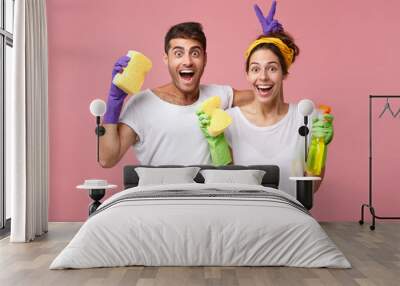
<point x="201" y="223"/>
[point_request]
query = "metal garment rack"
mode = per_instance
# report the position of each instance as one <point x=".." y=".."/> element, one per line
<point x="369" y="205"/>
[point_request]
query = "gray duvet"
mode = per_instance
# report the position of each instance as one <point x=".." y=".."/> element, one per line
<point x="201" y="224"/>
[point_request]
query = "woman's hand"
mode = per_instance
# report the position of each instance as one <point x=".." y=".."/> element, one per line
<point x="269" y="24"/>
<point x="218" y="146"/>
<point x="323" y="128"/>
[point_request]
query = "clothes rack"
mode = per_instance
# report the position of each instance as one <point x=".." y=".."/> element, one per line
<point x="370" y="202"/>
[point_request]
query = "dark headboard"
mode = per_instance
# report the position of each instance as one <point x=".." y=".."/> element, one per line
<point x="270" y="179"/>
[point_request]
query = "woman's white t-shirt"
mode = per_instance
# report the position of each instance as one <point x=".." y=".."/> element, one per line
<point x="279" y="144"/>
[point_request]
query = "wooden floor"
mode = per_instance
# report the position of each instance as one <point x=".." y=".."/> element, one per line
<point x="374" y="255"/>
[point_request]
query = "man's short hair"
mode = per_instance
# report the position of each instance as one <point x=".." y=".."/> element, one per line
<point x="187" y="30"/>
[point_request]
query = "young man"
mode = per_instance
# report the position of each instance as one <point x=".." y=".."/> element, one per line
<point x="161" y="123"/>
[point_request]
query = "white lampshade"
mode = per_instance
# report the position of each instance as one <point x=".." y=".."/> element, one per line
<point x="98" y="107"/>
<point x="306" y="107"/>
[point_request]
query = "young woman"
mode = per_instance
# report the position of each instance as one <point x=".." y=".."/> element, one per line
<point x="265" y="131"/>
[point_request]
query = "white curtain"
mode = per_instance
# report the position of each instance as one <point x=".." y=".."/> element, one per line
<point x="27" y="124"/>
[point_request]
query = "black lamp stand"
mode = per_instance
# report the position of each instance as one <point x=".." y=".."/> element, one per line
<point x="100" y="131"/>
<point x="96" y="195"/>
<point x="304" y="188"/>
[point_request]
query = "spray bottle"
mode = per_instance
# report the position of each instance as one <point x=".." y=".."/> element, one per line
<point x="318" y="149"/>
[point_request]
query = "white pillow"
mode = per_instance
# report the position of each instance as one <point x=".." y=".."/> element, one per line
<point x="248" y="177"/>
<point x="163" y="176"/>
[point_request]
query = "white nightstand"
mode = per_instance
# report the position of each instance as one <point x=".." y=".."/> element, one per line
<point x="97" y="190"/>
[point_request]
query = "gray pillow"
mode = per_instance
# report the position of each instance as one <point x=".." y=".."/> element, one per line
<point x="248" y="177"/>
<point x="163" y="176"/>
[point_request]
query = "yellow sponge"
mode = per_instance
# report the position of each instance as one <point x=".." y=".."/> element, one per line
<point x="219" y="121"/>
<point x="132" y="78"/>
<point x="209" y="105"/>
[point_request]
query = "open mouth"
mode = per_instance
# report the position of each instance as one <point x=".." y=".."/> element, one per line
<point x="264" y="89"/>
<point x="187" y="74"/>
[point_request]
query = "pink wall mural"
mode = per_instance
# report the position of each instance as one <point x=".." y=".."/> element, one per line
<point x="349" y="49"/>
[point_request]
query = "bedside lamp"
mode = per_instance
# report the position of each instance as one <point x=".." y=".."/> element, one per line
<point x="305" y="108"/>
<point x="304" y="185"/>
<point x="98" y="108"/>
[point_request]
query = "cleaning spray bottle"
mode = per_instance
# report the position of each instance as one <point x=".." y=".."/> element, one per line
<point x="132" y="78"/>
<point x="318" y="149"/>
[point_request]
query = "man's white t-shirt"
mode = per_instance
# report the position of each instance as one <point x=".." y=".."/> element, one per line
<point x="170" y="133"/>
<point x="279" y="144"/>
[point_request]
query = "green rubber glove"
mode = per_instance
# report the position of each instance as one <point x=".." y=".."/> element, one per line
<point x="323" y="127"/>
<point x="219" y="147"/>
